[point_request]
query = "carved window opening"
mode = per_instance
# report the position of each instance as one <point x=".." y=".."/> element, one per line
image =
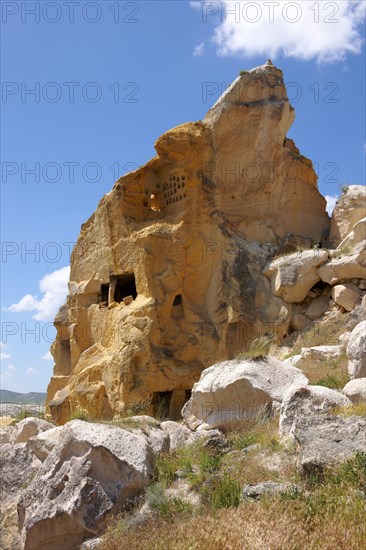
<point x="177" y="307"/>
<point x="104" y="293"/>
<point x="125" y="285"/>
<point x="119" y="287"/>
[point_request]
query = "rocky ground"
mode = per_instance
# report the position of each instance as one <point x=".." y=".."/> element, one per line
<point x="264" y="454"/>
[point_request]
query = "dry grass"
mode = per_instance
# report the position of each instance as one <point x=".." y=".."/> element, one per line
<point x="332" y="373"/>
<point x="325" y="333"/>
<point x="274" y="524"/>
<point x="326" y="513"/>
<point x="358" y="409"/>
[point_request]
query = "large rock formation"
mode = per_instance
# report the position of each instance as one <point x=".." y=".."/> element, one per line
<point x="166" y="277"/>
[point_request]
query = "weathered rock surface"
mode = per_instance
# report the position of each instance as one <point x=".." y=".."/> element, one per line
<point x="326" y="440"/>
<point x="181" y="436"/>
<point x="93" y="470"/>
<point x="301" y="402"/>
<point x="355" y="390"/>
<point x="356" y="236"/>
<point x="187" y="236"/>
<point x="350" y="208"/>
<point x="317" y="307"/>
<point x="347" y="295"/>
<point x="292" y="276"/>
<point x="232" y="392"/>
<point x="346" y="266"/>
<point x="356" y="351"/>
<point x="18" y="466"/>
<point x="29" y="427"/>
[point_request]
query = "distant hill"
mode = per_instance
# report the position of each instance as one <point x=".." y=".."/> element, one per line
<point x="7" y="396"/>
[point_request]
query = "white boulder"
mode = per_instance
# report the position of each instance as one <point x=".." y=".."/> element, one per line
<point x="355" y="390"/>
<point x="231" y="392"/>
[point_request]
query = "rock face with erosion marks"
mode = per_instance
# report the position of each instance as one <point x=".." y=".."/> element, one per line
<point x="349" y="210"/>
<point x="232" y="392"/>
<point x="356" y="351"/>
<point x="167" y="274"/>
<point x="92" y="471"/>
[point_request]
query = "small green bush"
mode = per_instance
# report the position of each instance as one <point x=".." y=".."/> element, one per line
<point x="257" y="348"/>
<point x="163" y="506"/>
<point x="333" y="382"/>
<point x="226" y="493"/>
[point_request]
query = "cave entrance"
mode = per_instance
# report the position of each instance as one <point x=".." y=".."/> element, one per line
<point x="177" y="307"/>
<point x="169" y="404"/>
<point x="161" y="403"/>
<point x="119" y="287"/>
<point x="124" y="285"/>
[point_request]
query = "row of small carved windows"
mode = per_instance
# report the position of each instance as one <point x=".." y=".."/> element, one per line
<point x="176" y="178"/>
<point x="168" y="194"/>
<point x="175" y="199"/>
<point x="175" y="184"/>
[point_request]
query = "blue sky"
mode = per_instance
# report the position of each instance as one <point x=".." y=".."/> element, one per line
<point x="109" y="77"/>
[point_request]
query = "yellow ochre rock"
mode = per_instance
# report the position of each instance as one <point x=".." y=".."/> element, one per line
<point x="166" y="277"/>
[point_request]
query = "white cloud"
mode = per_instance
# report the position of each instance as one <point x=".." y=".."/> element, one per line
<point x="195" y="5"/>
<point x="47" y="356"/>
<point x="322" y="30"/>
<point x="3" y="354"/>
<point x="199" y="50"/>
<point x="31" y="370"/>
<point x="331" y="202"/>
<point x="54" y="289"/>
<point x="6" y="375"/>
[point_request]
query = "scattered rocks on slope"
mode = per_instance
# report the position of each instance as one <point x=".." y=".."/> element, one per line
<point x="231" y="392"/>
<point x="356" y="351"/>
<point x="302" y="402"/>
<point x="316" y="353"/>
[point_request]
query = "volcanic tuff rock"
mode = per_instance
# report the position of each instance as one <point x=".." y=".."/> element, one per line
<point x="350" y="209"/>
<point x="93" y="470"/>
<point x="302" y="402"/>
<point x="325" y="440"/>
<point x="234" y="391"/>
<point x="166" y="277"/>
